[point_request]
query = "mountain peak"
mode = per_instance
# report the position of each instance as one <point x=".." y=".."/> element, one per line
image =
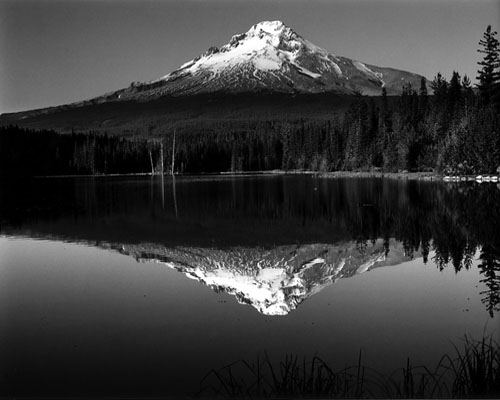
<point x="271" y="57"/>
<point x="274" y="28"/>
<point x="269" y="50"/>
<point x="268" y="26"/>
<point x="261" y="35"/>
<point x="274" y="33"/>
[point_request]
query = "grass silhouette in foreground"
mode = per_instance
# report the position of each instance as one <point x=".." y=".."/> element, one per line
<point x="473" y="372"/>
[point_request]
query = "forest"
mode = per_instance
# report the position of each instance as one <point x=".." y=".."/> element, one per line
<point x="446" y="126"/>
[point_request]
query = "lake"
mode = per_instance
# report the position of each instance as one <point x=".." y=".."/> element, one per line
<point x="141" y="286"/>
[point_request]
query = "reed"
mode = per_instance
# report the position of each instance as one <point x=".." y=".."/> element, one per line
<point x="474" y="371"/>
<point x="477" y="369"/>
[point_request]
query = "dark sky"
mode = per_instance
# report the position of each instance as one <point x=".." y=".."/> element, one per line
<point x="55" y="52"/>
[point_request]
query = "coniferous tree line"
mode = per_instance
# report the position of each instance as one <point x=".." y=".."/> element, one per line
<point x="28" y="152"/>
<point x="456" y="130"/>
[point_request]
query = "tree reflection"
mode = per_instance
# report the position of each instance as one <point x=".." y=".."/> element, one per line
<point x="490" y="268"/>
<point x="453" y="222"/>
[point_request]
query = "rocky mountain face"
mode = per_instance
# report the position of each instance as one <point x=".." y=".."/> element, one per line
<point x="270" y="56"/>
<point x="273" y="281"/>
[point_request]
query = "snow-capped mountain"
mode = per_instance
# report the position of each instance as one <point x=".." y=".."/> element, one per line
<point x="270" y="67"/>
<point x="271" y="56"/>
<point x="274" y="281"/>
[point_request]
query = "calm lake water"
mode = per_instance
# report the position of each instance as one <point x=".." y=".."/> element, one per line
<point x="140" y="286"/>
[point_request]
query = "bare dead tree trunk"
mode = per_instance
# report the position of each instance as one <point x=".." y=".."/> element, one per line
<point x="161" y="157"/>
<point x="173" y="156"/>
<point x="151" y="161"/>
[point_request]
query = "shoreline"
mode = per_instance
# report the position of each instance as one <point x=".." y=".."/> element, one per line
<point x="429" y="176"/>
<point x="420" y="175"/>
<point x="316" y="174"/>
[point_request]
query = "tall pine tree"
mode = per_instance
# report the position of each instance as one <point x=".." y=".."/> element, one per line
<point x="489" y="75"/>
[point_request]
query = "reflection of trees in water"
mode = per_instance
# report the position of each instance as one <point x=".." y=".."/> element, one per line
<point x="453" y="221"/>
<point x="459" y="254"/>
<point x="474" y="224"/>
<point x="490" y="268"/>
<point x="469" y="222"/>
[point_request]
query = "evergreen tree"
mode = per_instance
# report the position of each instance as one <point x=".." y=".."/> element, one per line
<point x="468" y="94"/>
<point x="489" y="76"/>
<point x="466" y="84"/>
<point x="386" y="112"/>
<point x="440" y="87"/>
<point x="423" y="97"/>
<point x="454" y="92"/>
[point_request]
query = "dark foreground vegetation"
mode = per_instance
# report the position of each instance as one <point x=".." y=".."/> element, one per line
<point x="456" y="130"/>
<point x="472" y="372"/>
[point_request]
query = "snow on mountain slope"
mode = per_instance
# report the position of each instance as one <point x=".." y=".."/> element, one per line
<point x="268" y="46"/>
<point x="270" y="56"/>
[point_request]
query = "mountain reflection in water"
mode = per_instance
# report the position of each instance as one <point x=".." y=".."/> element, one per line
<point x="274" y="281"/>
<point x="270" y="240"/>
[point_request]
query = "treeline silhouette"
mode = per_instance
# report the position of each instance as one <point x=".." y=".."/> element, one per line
<point x="451" y="132"/>
<point x="28" y="152"/>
